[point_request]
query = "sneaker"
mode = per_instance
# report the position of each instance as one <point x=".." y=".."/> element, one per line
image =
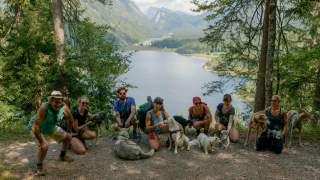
<point x="66" y="158"/>
<point x="39" y="171"/>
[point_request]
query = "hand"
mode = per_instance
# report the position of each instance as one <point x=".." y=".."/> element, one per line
<point x="160" y="124"/>
<point x="165" y="121"/>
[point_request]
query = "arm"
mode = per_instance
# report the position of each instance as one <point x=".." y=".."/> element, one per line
<point x="231" y="119"/>
<point x="166" y="117"/>
<point x="132" y="114"/>
<point x="118" y="120"/>
<point x="230" y="123"/>
<point x="285" y="127"/>
<point x="208" y="113"/>
<point x="36" y="126"/>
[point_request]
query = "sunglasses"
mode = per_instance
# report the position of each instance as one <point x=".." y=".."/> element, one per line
<point x="197" y="103"/>
<point x="274" y="100"/>
<point x="85" y="103"/>
<point x="122" y="93"/>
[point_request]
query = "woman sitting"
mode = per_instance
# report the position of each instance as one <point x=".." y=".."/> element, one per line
<point x="277" y="124"/>
<point x="225" y="118"/>
<point x="80" y="114"/>
<point x="156" y="123"/>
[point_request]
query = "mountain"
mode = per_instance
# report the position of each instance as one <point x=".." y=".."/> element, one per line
<point x="129" y="24"/>
<point x="168" y="21"/>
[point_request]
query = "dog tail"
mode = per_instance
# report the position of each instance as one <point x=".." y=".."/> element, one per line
<point x="145" y="155"/>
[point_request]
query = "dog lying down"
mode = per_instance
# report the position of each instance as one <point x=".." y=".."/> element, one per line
<point x="205" y="142"/>
<point x="127" y="149"/>
<point x="177" y="136"/>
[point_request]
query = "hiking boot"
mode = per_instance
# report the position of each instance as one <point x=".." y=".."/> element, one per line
<point x="66" y="158"/>
<point x="39" y="171"/>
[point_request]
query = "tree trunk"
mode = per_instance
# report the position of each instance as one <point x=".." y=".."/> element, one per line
<point x="260" y="84"/>
<point x="272" y="32"/>
<point x="58" y="30"/>
<point x="316" y="100"/>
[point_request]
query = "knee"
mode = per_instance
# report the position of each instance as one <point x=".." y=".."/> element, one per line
<point x="44" y="148"/>
<point x="81" y="151"/>
<point x="68" y="137"/>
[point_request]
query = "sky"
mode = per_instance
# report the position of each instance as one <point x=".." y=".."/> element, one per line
<point x="180" y="5"/>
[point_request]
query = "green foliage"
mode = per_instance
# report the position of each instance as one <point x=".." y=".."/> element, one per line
<point x="28" y="65"/>
<point x="237" y="27"/>
<point x="182" y="46"/>
<point x="94" y="64"/>
<point x="28" y="54"/>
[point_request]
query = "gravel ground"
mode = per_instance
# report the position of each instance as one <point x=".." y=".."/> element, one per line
<point x="17" y="162"/>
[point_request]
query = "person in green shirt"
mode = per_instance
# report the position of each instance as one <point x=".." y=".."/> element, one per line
<point x="46" y="121"/>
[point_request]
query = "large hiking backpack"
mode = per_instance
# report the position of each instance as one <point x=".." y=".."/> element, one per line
<point x="142" y="113"/>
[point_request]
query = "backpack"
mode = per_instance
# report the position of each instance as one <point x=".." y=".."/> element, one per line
<point x="142" y="113"/>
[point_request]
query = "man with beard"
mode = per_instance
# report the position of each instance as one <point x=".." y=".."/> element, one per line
<point x="125" y="111"/>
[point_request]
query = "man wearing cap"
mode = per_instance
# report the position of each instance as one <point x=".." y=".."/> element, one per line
<point x="200" y="115"/>
<point x="45" y="123"/>
<point x="125" y="111"/>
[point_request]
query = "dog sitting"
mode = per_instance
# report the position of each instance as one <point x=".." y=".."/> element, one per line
<point x="257" y="121"/>
<point x="296" y="121"/>
<point x="225" y="139"/>
<point x="127" y="149"/>
<point x="205" y="142"/>
<point x="177" y="136"/>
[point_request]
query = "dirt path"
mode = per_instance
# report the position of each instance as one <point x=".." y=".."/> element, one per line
<point x="17" y="162"/>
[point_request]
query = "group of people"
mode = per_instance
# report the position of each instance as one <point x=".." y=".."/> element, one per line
<point x="46" y="122"/>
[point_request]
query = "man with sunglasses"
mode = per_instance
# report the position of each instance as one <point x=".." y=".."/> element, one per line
<point x="277" y="124"/>
<point x="200" y="115"/>
<point x="125" y="111"/>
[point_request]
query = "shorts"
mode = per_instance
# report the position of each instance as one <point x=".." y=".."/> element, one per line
<point x="58" y="134"/>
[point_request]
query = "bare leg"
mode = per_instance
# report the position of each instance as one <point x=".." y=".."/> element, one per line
<point x="42" y="151"/>
<point x="77" y="146"/>
<point x="234" y="135"/>
<point x="300" y="141"/>
<point x="88" y="135"/>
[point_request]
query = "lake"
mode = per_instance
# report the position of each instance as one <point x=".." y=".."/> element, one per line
<point x="175" y="78"/>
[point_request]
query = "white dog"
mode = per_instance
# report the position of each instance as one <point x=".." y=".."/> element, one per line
<point x="177" y="136"/>
<point x="205" y="142"/>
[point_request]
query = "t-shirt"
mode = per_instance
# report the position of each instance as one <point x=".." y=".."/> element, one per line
<point x="200" y="114"/>
<point x="81" y="119"/>
<point x="124" y="107"/>
<point x="224" y="116"/>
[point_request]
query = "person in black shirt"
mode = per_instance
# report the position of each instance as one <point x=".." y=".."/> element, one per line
<point x="224" y="117"/>
<point x="80" y="114"/>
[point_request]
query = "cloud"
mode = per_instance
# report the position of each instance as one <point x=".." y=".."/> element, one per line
<point x="177" y="5"/>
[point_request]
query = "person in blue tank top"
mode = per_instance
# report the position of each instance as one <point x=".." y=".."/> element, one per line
<point x="125" y="111"/>
<point x="272" y="137"/>
<point x="45" y="123"/>
<point x="156" y="123"/>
